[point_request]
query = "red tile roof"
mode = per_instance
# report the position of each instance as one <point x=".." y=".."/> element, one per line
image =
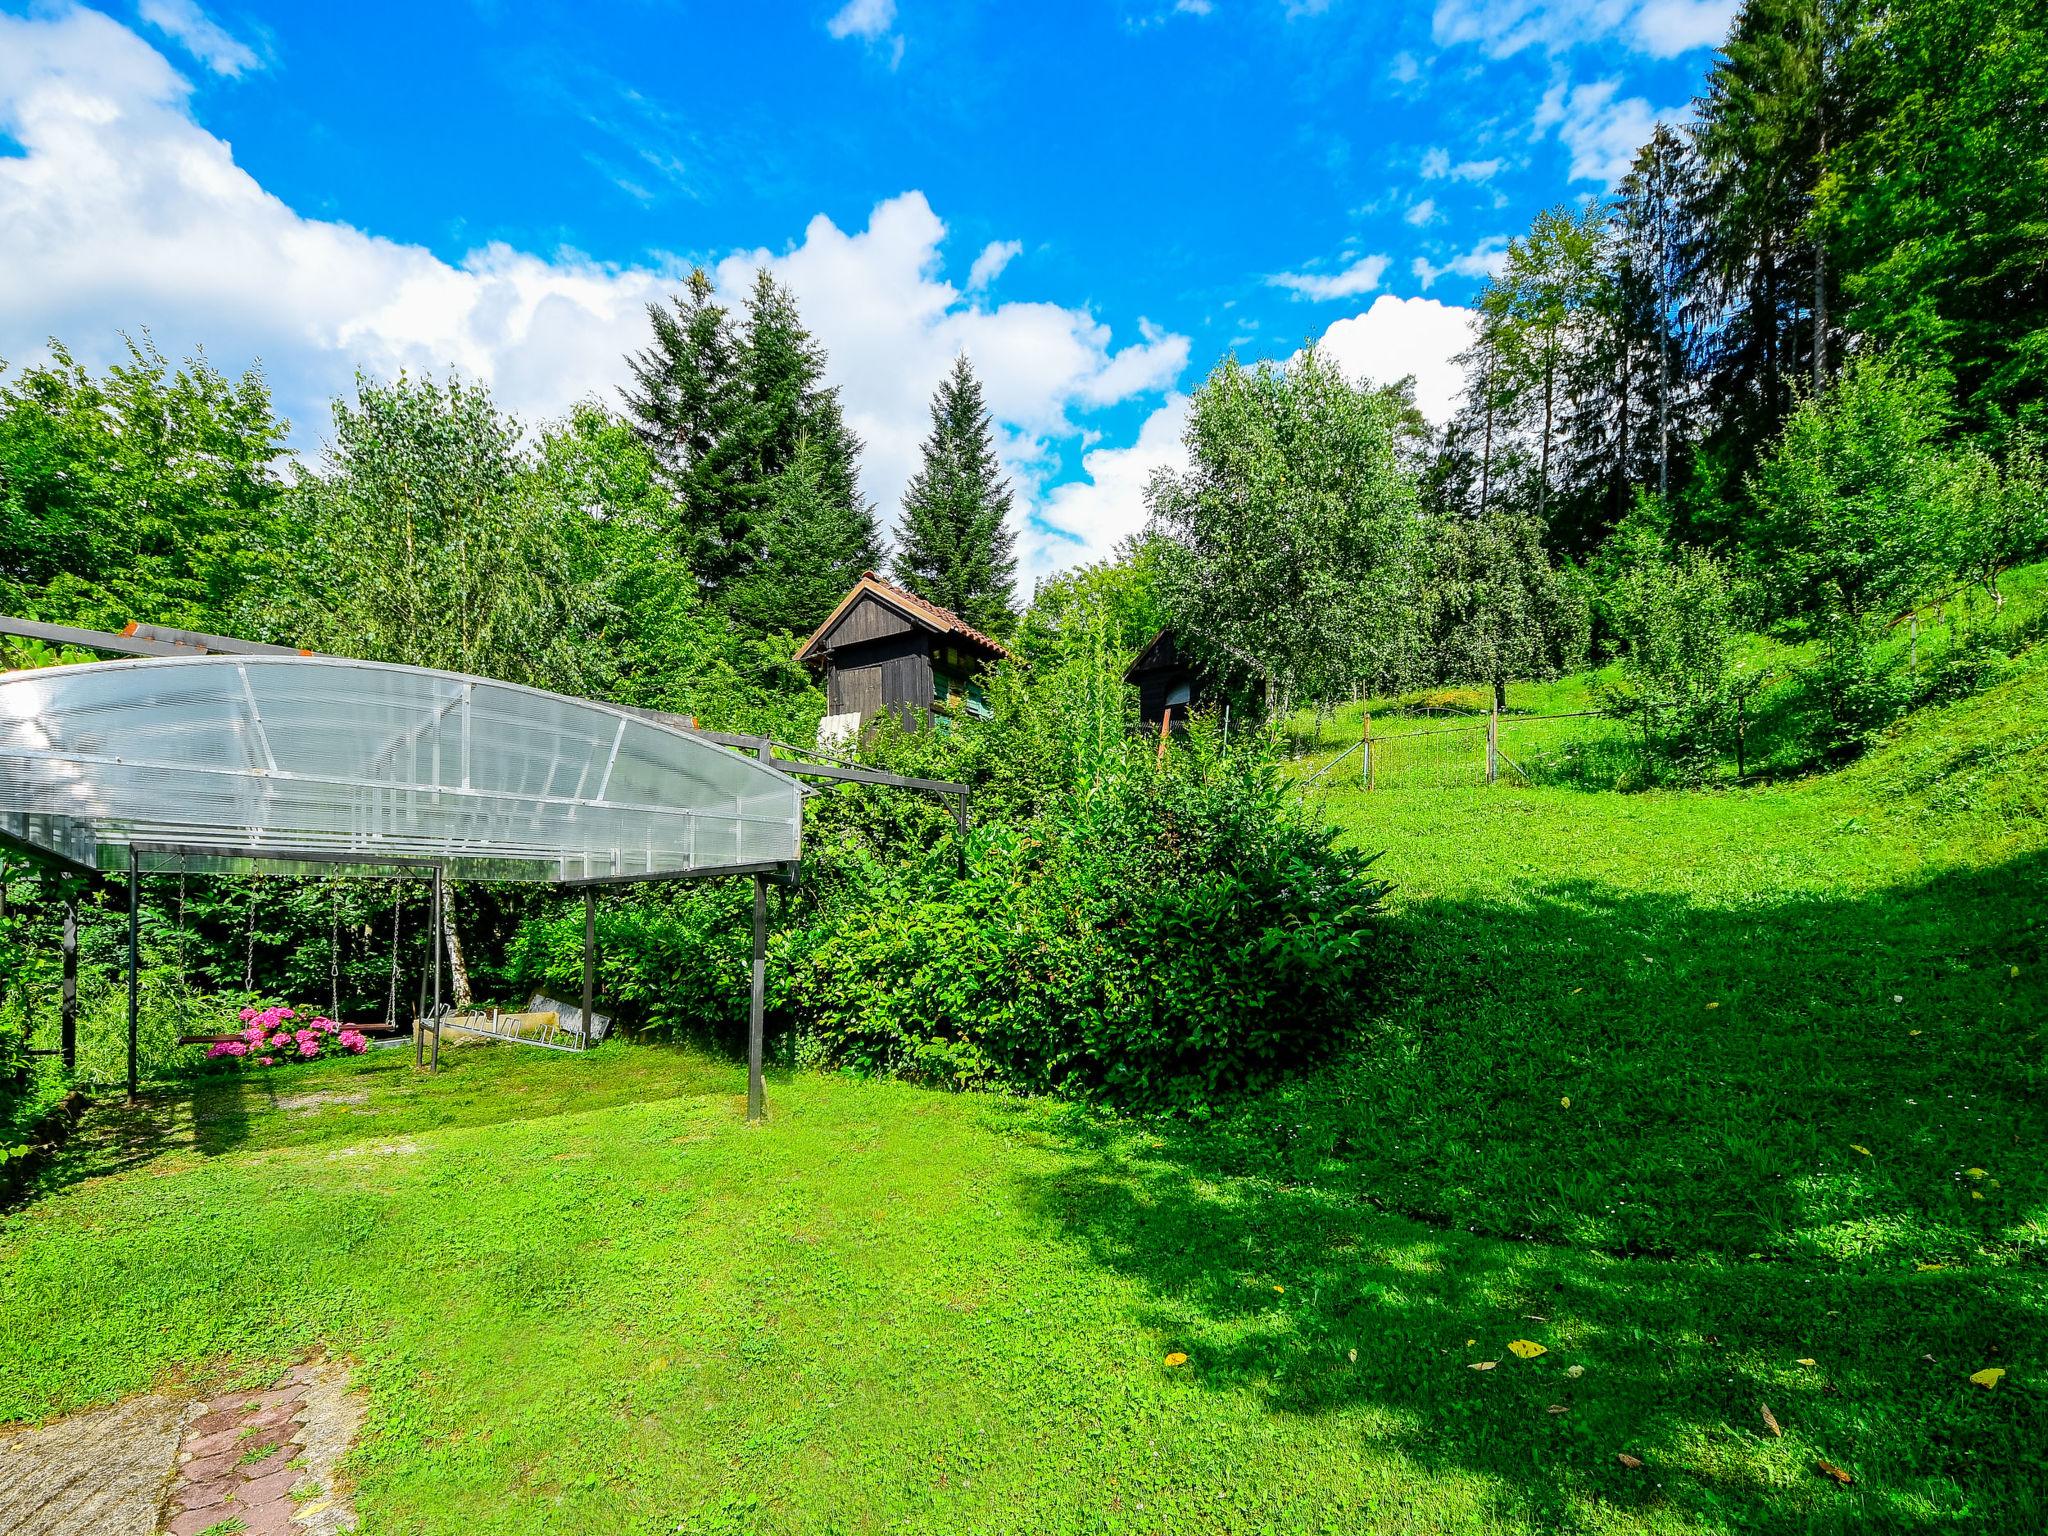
<point x="931" y="615"/>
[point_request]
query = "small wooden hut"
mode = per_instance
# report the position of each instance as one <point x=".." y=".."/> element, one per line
<point x="1165" y="679"/>
<point x="884" y="648"/>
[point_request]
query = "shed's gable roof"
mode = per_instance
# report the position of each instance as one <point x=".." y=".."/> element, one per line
<point x="1160" y="653"/>
<point x="926" y="616"/>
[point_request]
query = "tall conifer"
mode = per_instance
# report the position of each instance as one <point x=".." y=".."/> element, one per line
<point x="956" y="547"/>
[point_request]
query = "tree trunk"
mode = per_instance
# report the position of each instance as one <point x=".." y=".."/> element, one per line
<point x="458" y="969"/>
<point x="1820" y="295"/>
<point x="1486" y="453"/>
<point x="1543" y="474"/>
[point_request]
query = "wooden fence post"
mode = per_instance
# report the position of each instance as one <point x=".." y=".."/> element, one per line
<point x="1165" y="723"/>
<point x="1365" y="751"/>
<point x="1493" y="743"/>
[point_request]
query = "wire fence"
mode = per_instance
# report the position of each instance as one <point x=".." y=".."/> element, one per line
<point x="1448" y="753"/>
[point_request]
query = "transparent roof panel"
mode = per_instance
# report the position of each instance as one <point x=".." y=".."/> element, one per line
<point x="294" y="762"/>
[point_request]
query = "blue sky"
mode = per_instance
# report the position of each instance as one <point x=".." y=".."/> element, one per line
<point x="1095" y="201"/>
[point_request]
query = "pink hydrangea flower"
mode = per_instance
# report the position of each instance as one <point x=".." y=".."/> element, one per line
<point x="266" y="1061"/>
<point x="308" y="1048"/>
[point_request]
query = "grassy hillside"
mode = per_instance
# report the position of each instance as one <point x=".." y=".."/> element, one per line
<point x="1956" y="647"/>
<point x="1728" y="1100"/>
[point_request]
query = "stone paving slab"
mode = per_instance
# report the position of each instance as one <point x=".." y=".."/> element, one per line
<point x="161" y="1466"/>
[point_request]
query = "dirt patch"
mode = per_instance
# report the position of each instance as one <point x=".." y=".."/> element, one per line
<point x="305" y="1103"/>
<point x="382" y="1149"/>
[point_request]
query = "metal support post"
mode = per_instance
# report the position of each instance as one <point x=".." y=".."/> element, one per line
<point x="440" y="941"/>
<point x="756" y="1009"/>
<point x="134" y="979"/>
<point x="67" y="998"/>
<point x="589" y="963"/>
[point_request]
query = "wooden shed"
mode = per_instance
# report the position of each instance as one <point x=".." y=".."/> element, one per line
<point x="884" y="648"/>
<point x="1165" y="679"/>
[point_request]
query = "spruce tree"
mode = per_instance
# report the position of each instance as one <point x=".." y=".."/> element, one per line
<point x="814" y="533"/>
<point x="818" y="545"/>
<point x="956" y="547"/>
<point x="688" y="407"/>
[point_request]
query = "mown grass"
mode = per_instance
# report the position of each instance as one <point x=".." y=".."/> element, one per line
<point x="586" y="1296"/>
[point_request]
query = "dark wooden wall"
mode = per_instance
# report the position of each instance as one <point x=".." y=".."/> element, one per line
<point x="1154" y="684"/>
<point x="867" y="620"/>
<point x="894" y="673"/>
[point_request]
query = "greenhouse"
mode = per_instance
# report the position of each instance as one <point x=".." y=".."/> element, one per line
<point x="230" y="764"/>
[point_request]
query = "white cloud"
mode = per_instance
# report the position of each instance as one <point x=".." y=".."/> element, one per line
<point x="1437" y="166"/>
<point x="200" y="35"/>
<point x="1362" y="276"/>
<point x="1666" y="28"/>
<point x="1108" y="506"/>
<point x="870" y="19"/>
<point x="1603" y="134"/>
<point x="988" y="266"/>
<point x="1484" y="260"/>
<point x="1660" y="28"/>
<point x="1422" y="212"/>
<point x="123" y="211"/>
<point x="1398" y="337"/>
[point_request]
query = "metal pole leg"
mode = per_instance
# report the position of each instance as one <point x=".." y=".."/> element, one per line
<point x="134" y="980"/>
<point x="589" y="962"/>
<point x="755" y="1011"/>
<point x="67" y="999"/>
<point x="440" y="941"/>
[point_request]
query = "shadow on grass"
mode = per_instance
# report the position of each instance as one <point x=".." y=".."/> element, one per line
<point x="1699" y="1217"/>
<point x="377" y="1096"/>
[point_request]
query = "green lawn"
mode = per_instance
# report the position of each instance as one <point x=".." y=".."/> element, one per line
<point x="587" y="1297"/>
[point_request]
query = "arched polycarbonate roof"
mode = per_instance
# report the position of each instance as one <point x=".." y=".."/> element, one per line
<point x="288" y="762"/>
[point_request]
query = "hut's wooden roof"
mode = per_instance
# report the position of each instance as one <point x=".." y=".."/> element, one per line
<point x="940" y="621"/>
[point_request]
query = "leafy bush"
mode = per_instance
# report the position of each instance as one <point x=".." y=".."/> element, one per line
<point x="1672" y="617"/>
<point x="1165" y="937"/>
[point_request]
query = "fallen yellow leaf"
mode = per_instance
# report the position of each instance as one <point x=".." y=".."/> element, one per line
<point x="1989" y="1376"/>
<point x="1470" y="1342"/>
<point x="1975" y="1173"/>
<point x="1976" y="1194"/>
<point x="1526" y="1349"/>
<point x="1482" y="1365"/>
<point x="1770" y="1419"/>
<point x="1354" y="1357"/>
<point x="1577" y="990"/>
<point x="1280" y="1290"/>
<point x="1854" y="1148"/>
<point x="1829" y="1469"/>
<point x="1912" y="1031"/>
<point x="1575" y="1371"/>
<point x="1627" y="1460"/>
<point x="2013" y="974"/>
<point x="1712" y="1006"/>
<point x="1176" y="1358"/>
<point x="1566" y="1101"/>
<point x="1557" y="1408"/>
<point x="1806" y="1362"/>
